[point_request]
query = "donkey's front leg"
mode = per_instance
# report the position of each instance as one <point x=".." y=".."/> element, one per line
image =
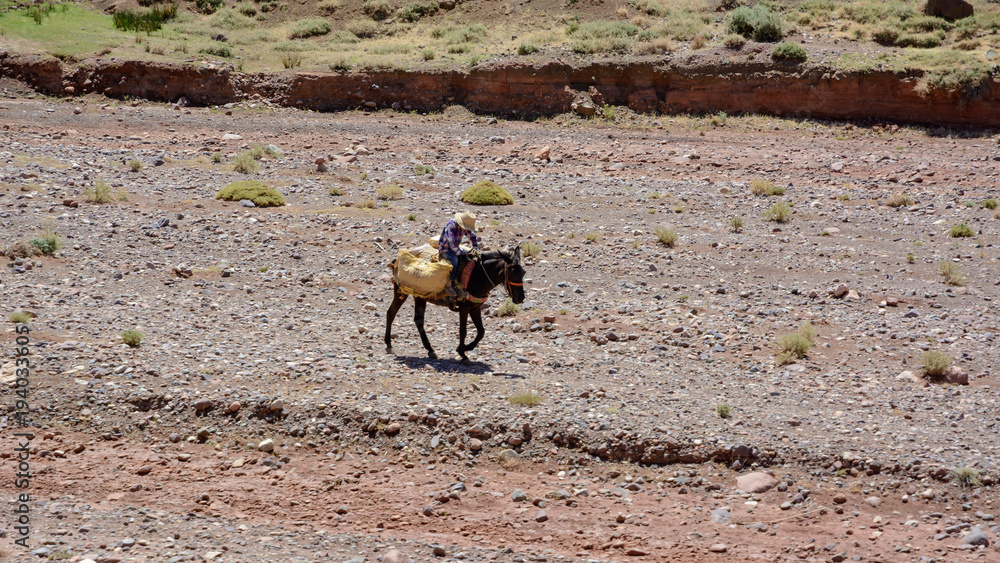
<point x="463" y="322"/>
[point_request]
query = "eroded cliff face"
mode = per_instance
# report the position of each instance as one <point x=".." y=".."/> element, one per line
<point x="519" y="90"/>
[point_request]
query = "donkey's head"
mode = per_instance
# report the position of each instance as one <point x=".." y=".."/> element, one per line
<point x="514" y="280"/>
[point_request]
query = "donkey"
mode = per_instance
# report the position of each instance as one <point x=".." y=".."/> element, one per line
<point x="494" y="268"/>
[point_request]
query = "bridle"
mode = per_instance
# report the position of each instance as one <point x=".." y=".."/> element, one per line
<point x="506" y="278"/>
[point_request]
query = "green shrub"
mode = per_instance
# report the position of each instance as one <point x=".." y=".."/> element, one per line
<point x="244" y="163"/>
<point x="363" y="29"/>
<point x="789" y="52"/>
<point x="291" y="60"/>
<point x="951" y="272"/>
<point x="921" y="40"/>
<point x="991" y="203"/>
<point x="961" y="230"/>
<point x="247" y="9"/>
<point x="259" y="193"/>
<point x="47" y="243"/>
<point x="454" y="35"/>
<point x="377" y="9"/>
<point x="759" y="23"/>
<point x="736" y="224"/>
<point x="885" y="36"/>
<point x="146" y="21"/>
<point x="100" y="192"/>
<point x="526" y="399"/>
<point x="309" y="28"/>
<point x="327" y="7"/>
<point x="122" y="195"/>
<point x="795" y="345"/>
<point x="602" y="37"/>
<point x="19" y="317"/>
<point x="422" y="169"/>
<point x="335" y="191"/>
<point x="135" y="164"/>
<point x="527" y="49"/>
<point x="222" y="51"/>
<point x="593" y="236"/>
<point x="340" y="65"/>
<point x="413" y="11"/>
<point x="764" y="187"/>
<point x="486" y="192"/>
<point x="228" y="18"/>
<point x="734" y="41"/>
<point x="390" y="192"/>
<point x="529" y="249"/>
<point x="216" y="157"/>
<point x="724" y="410"/>
<point x="780" y="212"/>
<point x="209" y="6"/>
<point x="367" y="204"/>
<point x="132" y="337"/>
<point x="667" y="237"/>
<point x="934" y="365"/>
<point x="508" y="309"/>
<point x="427" y="54"/>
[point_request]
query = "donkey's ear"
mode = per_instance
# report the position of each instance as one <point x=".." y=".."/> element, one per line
<point x="517" y="254"/>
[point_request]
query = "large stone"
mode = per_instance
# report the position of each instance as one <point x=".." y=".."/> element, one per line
<point x="949" y="9"/>
<point x="956" y="376"/>
<point x="976" y="537"/>
<point x="395" y="556"/>
<point x="756" y="482"/>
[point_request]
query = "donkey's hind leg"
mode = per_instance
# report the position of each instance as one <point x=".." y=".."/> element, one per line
<point x="419" y="306"/>
<point x="398" y="299"/>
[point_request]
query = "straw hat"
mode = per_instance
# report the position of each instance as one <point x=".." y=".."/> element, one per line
<point x="466" y="219"/>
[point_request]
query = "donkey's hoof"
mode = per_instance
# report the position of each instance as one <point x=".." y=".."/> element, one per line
<point x="388" y="349"/>
<point x="432" y="355"/>
<point x="466" y="362"/>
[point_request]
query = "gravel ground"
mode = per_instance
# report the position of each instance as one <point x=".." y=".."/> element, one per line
<point x="267" y="324"/>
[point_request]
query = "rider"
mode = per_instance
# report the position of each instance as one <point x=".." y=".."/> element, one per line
<point x="455" y="230"/>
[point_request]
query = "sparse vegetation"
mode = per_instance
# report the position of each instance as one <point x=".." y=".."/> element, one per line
<point x="789" y="52"/>
<point x="508" y="309"/>
<point x="910" y="258"/>
<point x="529" y="248"/>
<point x="593" y="236"/>
<point x="328" y="7"/>
<point x="961" y="230"/>
<point x="132" y="337"/>
<point x="99" y="193"/>
<point x="309" y="28"/>
<point x="759" y="23"/>
<point x="259" y="193"/>
<point x="934" y="364"/>
<point x="414" y="11"/>
<point x="335" y="191"/>
<point x="377" y="10"/>
<point x="951" y="272"/>
<point x="245" y="163"/>
<point x="391" y="192"/>
<point x="216" y="157"/>
<point x="764" y="187"/>
<point x="899" y="199"/>
<point x="427" y="54"/>
<point x="601" y="36"/>
<point x="422" y="169"/>
<point x="367" y="204"/>
<point x="486" y="192"/>
<point x="966" y="477"/>
<point x="724" y="410"/>
<point x="527" y="49"/>
<point x="528" y="399"/>
<point x="19" y="317"/>
<point x="734" y="42"/>
<point x="736" y="224"/>
<point x="666" y="237"/>
<point x="991" y="204"/>
<point x="780" y="212"/>
<point x="122" y="195"/>
<point x="146" y="21"/>
<point x="135" y="164"/>
<point x="795" y="345"/>
<point x="411" y="217"/>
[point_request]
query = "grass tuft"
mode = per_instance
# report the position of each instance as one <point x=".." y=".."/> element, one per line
<point x="961" y="230"/>
<point x="529" y="249"/>
<point x="309" y="28"/>
<point x="20" y="317"/>
<point x="934" y="365"/>
<point x="795" y="345"/>
<point x="789" y="52"/>
<point x="951" y="272"/>
<point x="391" y="192"/>
<point x="991" y="203"/>
<point x="736" y="224"/>
<point x="899" y="199"/>
<point x="528" y="399"/>
<point x="99" y="193"/>
<point x="508" y="309"/>
<point x="780" y="212"/>
<point x="764" y="187"/>
<point x="132" y="337"/>
<point x="245" y="163"/>
<point x="724" y="410"/>
<point x="667" y="237"/>
<point x="966" y="477"/>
